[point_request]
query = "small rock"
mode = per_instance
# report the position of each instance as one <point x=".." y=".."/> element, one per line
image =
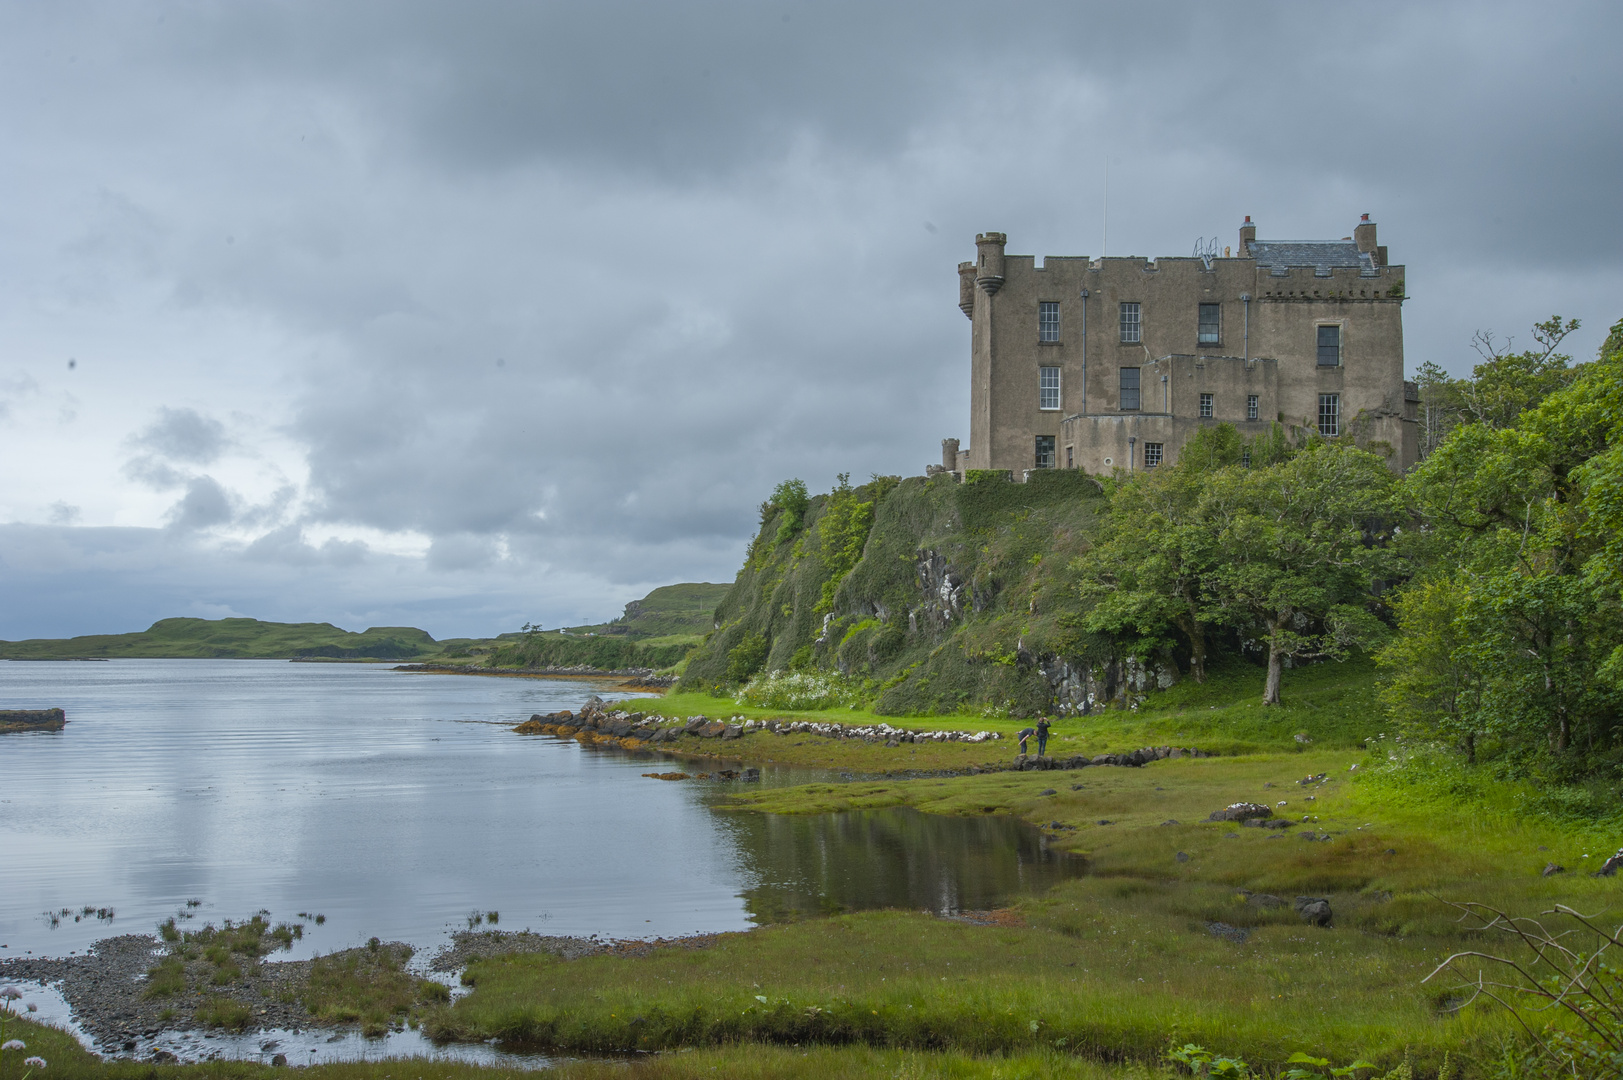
<point x="1610" y="866"/>
<point x="1182" y="856"/>
<point x="1235" y="934"/>
<point x="1390" y="851"/>
<point x="279" y="1059"/>
<point x="1302" y="738"/>
<point x="1551" y="869"/>
<point x="1241" y="811"/>
<point x="164" y="1057"/>
<point x="1048" y="791"/>
<point x="1106" y="821"/>
<point x="1265" y="900"/>
<point x="1313" y="909"/>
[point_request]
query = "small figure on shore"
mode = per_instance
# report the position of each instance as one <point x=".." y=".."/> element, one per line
<point x="1025" y="733"/>
<point x="1043" y="724"/>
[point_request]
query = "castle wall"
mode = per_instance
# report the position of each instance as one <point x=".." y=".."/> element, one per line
<point x="1278" y="322"/>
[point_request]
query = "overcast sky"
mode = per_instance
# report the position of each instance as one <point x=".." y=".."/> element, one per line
<point x="466" y="315"/>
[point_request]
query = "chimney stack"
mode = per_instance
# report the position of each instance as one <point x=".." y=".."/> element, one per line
<point x="1248" y="236"/>
<point x="1364" y="235"/>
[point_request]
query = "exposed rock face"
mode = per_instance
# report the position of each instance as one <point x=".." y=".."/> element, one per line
<point x="945" y="594"/>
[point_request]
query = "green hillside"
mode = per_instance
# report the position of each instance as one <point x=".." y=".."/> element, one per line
<point x="655" y="632"/>
<point x="242" y="639"/>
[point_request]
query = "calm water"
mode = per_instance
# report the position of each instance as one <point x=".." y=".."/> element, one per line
<point x="397" y="803"/>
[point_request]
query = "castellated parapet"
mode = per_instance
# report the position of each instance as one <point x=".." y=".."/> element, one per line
<point x="1113" y="363"/>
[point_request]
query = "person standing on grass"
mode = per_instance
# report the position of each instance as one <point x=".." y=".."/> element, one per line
<point x="1043" y="724"/>
<point x="1025" y="733"/>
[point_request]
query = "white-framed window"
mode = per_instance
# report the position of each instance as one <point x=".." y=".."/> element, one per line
<point x="1329" y="415"/>
<point x="1045" y="451"/>
<point x="1048" y="320"/>
<point x="1251" y="406"/>
<point x="1048" y="388"/>
<point x="1132" y="325"/>
<point x="1329" y="346"/>
<point x="1152" y="454"/>
<point x="1205" y="406"/>
<point x="1209" y="328"/>
<point x="1245" y="457"/>
<point x="1129" y="388"/>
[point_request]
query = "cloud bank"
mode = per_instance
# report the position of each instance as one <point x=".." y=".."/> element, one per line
<point x="466" y="317"/>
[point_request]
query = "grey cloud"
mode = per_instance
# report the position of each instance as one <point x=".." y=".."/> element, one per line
<point x="63" y="513"/>
<point x="184" y="435"/>
<point x="205" y="505"/>
<point x="692" y="235"/>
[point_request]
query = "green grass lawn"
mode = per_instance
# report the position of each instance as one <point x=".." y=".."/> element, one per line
<point x="1333" y="705"/>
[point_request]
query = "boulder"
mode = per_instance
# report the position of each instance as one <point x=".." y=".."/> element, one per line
<point x="1265" y="900"/>
<point x="1313" y="909"/>
<point x="591" y="703"/>
<point x="1551" y="869"/>
<point x="732" y="731"/>
<point x="1241" y="811"/>
<point x="1611" y="866"/>
<point x="712" y="730"/>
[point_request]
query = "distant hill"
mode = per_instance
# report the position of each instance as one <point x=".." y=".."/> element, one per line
<point x="243" y="639"/>
<point x="688" y="608"/>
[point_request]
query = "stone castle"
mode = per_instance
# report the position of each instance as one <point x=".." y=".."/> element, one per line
<point x="1113" y="363"/>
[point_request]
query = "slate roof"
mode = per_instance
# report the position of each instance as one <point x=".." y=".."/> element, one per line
<point x="1276" y="254"/>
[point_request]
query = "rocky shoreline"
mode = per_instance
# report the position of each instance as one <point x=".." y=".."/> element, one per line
<point x="107" y="987"/>
<point x="107" y="990"/>
<point x="601" y="724"/>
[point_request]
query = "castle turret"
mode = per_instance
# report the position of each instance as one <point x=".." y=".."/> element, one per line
<point x="966" y="289"/>
<point x="989" y="264"/>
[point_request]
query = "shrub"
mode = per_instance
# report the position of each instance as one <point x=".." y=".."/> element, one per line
<point x="747" y="657"/>
<point x="799" y="691"/>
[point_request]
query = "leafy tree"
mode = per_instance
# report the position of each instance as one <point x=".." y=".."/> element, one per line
<point x="1506" y="384"/>
<point x="1517" y="598"/>
<point x="843" y="529"/>
<point x="1145" y="574"/>
<point x="1442" y="404"/>
<point x="1301" y="544"/>
<point x="791" y="500"/>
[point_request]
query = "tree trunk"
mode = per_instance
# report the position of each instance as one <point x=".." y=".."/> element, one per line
<point x="1276" y="668"/>
<point x="1470" y="747"/>
<point x="1197" y="647"/>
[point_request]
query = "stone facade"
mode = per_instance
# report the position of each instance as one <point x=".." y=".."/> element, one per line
<point x="1307" y="335"/>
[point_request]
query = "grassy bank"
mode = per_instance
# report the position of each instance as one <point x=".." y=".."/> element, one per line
<point x="1331" y="705"/>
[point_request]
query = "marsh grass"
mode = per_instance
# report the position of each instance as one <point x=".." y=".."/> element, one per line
<point x="223" y="1012"/>
<point x="369" y="987"/>
<point x="166" y="978"/>
<point x="70" y="1061"/>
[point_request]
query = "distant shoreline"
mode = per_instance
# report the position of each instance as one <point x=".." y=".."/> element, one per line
<point x="633" y="678"/>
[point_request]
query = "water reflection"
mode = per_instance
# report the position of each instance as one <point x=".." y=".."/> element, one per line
<point x="893" y="858"/>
